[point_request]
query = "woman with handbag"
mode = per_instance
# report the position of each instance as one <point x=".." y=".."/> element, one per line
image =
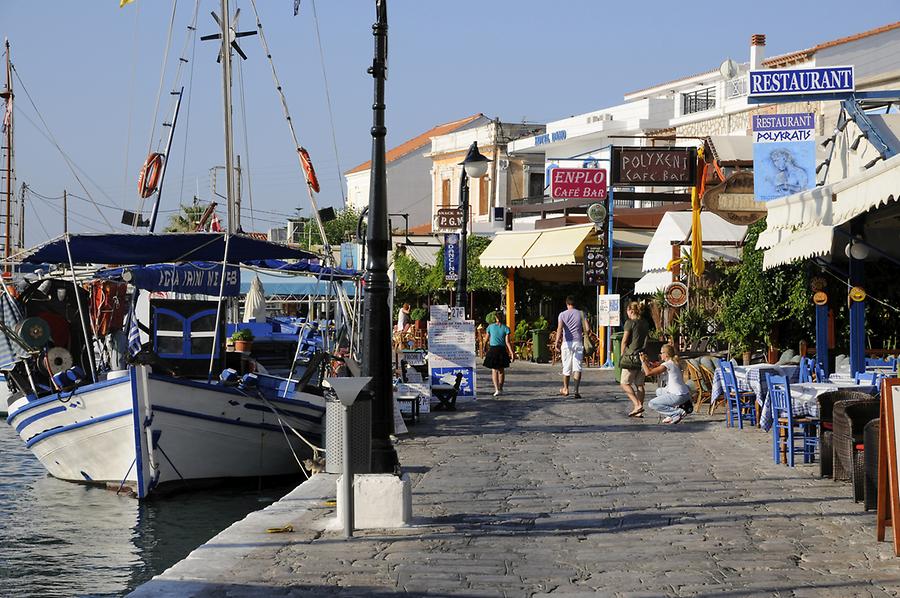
<point x="500" y="352"/>
<point x="637" y="331"/>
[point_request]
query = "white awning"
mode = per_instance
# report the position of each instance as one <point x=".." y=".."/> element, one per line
<point x="800" y="245"/>
<point x="559" y="246"/>
<point x="423" y="254"/>
<point x="676" y="226"/>
<point x="866" y="191"/>
<point x="800" y="211"/>
<point x="652" y="282"/>
<point x="508" y="249"/>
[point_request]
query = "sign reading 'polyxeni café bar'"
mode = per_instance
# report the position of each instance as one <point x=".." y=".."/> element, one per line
<point x="673" y="166"/>
<point x="578" y="183"/>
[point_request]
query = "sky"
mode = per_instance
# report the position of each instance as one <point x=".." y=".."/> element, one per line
<point x="92" y="73"/>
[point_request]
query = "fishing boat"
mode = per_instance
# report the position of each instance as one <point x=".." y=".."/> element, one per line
<point x="183" y="410"/>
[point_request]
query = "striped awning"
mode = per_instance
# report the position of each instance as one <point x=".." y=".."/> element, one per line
<point x="507" y="250"/>
<point x="559" y="246"/>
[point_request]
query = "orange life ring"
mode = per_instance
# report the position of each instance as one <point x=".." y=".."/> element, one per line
<point x="311" y="179"/>
<point x="150" y="173"/>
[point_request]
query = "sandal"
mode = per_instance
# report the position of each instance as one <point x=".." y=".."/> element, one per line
<point x="637" y="412"/>
<point x="563" y="394"/>
<point x="577" y="395"/>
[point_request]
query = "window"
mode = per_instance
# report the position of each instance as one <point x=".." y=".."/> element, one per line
<point x="698" y="101"/>
<point x="536" y="184"/>
<point x="483" y="196"/>
<point x="445" y="193"/>
<point x="179" y="336"/>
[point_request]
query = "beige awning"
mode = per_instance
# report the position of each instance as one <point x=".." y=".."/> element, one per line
<point x="559" y="246"/>
<point x="801" y="245"/>
<point x="508" y="249"/>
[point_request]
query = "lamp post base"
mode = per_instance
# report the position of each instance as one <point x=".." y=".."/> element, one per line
<point x="384" y="457"/>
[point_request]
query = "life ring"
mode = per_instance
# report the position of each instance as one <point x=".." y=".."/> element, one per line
<point x="311" y="179"/>
<point x="149" y="177"/>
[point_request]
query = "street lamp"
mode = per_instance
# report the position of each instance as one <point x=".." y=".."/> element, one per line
<point x="474" y="166"/>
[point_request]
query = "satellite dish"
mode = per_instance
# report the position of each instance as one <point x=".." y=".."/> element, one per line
<point x="728" y="69"/>
<point x="597" y="213"/>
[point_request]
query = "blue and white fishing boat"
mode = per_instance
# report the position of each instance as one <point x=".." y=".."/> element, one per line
<point x="174" y="413"/>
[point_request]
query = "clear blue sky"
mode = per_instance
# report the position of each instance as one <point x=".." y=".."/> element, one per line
<point x="93" y="71"/>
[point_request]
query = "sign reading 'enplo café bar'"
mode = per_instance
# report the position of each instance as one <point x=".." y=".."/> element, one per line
<point x="826" y="79"/>
<point x="578" y="183"/>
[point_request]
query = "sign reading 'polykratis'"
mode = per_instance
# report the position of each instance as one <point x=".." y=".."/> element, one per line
<point x="654" y="166"/>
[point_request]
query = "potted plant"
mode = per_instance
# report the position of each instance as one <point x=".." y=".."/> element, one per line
<point x="243" y="340"/>
<point x="417" y="315"/>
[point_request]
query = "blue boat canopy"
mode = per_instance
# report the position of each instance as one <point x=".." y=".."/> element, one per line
<point x="143" y="249"/>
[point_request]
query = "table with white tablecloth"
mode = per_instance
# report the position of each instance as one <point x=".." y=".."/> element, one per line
<point x="752" y="377"/>
<point x="805" y="398"/>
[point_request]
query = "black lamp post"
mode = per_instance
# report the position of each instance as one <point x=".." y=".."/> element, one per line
<point x="376" y="310"/>
<point x="474" y="166"/>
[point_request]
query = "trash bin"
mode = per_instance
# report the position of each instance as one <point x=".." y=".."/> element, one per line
<point x="540" y="349"/>
<point x="616" y="341"/>
<point x="360" y="434"/>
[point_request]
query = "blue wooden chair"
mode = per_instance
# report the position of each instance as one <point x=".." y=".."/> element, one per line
<point x="866" y="378"/>
<point x="821" y="376"/>
<point x="741" y="404"/>
<point x="784" y="424"/>
<point x="807" y="368"/>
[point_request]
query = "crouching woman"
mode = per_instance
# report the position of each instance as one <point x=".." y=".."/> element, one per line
<point x="669" y="399"/>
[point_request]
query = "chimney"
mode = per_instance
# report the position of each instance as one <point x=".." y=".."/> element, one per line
<point x="757" y="50"/>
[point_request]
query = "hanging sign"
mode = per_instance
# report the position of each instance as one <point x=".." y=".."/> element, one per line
<point x="674" y="166"/>
<point x="451" y="257"/>
<point x="780" y="82"/>
<point x="578" y="183"/>
<point x="449" y="219"/>
<point x="596" y="265"/>
<point x="676" y="294"/>
<point x="185" y="278"/>
<point x="784" y="154"/>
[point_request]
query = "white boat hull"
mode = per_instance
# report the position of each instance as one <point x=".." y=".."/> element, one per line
<point x="143" y="432"/>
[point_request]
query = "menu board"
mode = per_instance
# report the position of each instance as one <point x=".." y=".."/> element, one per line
<point x="888" y="513"/>
<point x="451" y="350"/>
<point x="609" y="310"/>
<point x="596" y="265"/>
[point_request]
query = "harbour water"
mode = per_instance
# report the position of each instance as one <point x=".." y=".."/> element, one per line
<point x="64" y="539"/>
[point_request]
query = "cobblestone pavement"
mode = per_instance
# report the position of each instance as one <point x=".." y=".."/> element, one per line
<point x="534" y="494"/>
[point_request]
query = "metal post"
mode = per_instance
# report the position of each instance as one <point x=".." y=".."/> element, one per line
<point x="233" y="219"/>
<point x="607" y="363"/>
<point x="7" y="250"/>
<point x="347" y="476"/>
<point x="154" y="213"/>
<point x="376" y="311"/>
<point x="65" y="212"/>
<point x="822" y="337"/>
<point x="462" y="281"/>
<point x="857" y="312"/>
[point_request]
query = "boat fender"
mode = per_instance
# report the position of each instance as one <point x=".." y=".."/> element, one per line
<point x="311" y="179"/>
<point x="249" y="382"/>
<point x="148" y="180"/>
<point x="229" y="377"/>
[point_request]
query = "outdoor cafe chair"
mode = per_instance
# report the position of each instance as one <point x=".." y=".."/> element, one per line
<point x="784" y="424"/>
<point x="850" y="419"/>
<point x="807" y="368"/>
<point x="869" y="378"/>
<point x="870" y="464"/>
<point x="821" y="376"/>
<point x="741" y="404"/>
<point x="827" y="401"/>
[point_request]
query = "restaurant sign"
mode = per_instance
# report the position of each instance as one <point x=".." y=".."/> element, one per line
<point x="451" y="257"/>
<point x="578" y="183"/>
<point x="781" y="82"/>
<point x="646" y="166"/>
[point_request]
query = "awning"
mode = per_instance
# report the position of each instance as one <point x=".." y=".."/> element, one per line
<point x="425" y="255"/>
<point x="800" y="211"/>
<point x="559" y="247"/>
<point x="869" y="190"/>
<point x="676" y="226"/>
<point x="508" y="249"/>
<point x="283" y="284"/>
<point x="651" y="282"/>
<point x="143" y="248"/>
<point x="801" y="245"/>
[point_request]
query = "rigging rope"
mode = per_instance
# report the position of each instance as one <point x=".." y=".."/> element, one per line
<point x="328" y="100"/>
<point x="187" y="117"/>
<point x="131" y="84"/>
<point x="287" y="115"/>
<point x="162" y="75"/>
<point x="246" y="142"/>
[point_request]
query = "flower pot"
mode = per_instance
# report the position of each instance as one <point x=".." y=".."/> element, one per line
<point x="243" y="346"/>
<point x="772" y="355"/>
<point x="746" y="357"/>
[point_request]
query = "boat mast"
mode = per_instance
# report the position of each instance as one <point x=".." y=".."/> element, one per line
<point x="234" y="217"/>
<point x="7" y="94"/>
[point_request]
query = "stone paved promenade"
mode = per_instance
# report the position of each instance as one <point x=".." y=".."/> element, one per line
<point x="533" y="494"/>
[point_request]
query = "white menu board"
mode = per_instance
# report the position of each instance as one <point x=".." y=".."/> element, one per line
<point x="609" y="310"/>
<point x="451" y="350"/>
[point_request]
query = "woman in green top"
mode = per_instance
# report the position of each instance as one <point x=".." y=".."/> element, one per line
<point x="637" y="330"/>
<point x="500" y="352"/>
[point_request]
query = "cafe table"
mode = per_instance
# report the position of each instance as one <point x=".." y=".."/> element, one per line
<point x="804" y="398"/>
<point x="752" y="377"/>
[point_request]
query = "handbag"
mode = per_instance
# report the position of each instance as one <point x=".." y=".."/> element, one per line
<point x="630" y="361"/>
<point x="589" y="348"/>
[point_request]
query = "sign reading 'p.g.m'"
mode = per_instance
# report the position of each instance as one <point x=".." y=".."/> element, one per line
<point x="674" y="166"/>
<point x="578" y="183"/>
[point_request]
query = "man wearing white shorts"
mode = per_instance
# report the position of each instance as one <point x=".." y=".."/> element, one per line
<point x="570" y="333"/>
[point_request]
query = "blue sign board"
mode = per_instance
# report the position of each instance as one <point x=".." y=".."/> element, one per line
<point x="784" y="155"/>
<point x="451" y="257"/>
<point x="350" y="256"/>
<point x="448" y="376"/>
<point x="187" y="278"/>
<point x="781" y="82"/>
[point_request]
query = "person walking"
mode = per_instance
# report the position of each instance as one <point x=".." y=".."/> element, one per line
<point x="636" y="332"/>
<point x="570" y="332"/>
<point x="403" y="318"/>
<point x="668" y="399"/>
<point x="500" y="352"/>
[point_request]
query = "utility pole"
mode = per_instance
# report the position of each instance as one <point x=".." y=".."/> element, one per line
<point x="65" y="212"/>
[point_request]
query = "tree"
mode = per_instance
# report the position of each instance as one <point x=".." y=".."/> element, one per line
<point x="341" y="229"/>
<point x="186" y="220"/>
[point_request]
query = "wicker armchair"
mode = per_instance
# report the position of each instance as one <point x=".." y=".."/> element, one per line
<point x="826" y="408"/>
<point x="870" y="441"/>
<point x="850" y="418"/>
